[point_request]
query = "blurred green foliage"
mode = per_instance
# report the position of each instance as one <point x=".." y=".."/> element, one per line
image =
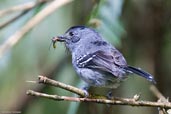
<point x="105" y="18"/>
<point x="122" y="23"/>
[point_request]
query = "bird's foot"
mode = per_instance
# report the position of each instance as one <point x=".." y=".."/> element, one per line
<point x="109" y="95"/>
<point x="85" y="89"/>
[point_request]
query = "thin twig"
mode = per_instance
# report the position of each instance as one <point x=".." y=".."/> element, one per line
<point x="30" y="24"/>
<point x="2" y="25"/>
<point x="100" y="100"/>
<point x="21" y="7"/>
<point x="48" y="81"/>
<point x="158" y="94"/>
<point x="45" y="80"/>
<point x="24" y="8"/>
<point x="80" y="92"/>
<point x="160" y="97"/>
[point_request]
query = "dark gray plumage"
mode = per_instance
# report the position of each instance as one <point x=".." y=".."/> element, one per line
<point x="95" y="60"/>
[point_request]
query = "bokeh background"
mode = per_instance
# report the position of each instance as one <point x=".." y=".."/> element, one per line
<point x="140" y="29"/>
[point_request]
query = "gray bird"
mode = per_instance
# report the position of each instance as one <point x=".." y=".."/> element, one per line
<point x="95" y="60"/>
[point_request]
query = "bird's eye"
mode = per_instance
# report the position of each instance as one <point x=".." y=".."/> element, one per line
<point x="71" y="33"/>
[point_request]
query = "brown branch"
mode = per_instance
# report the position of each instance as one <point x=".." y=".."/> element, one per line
<point x="128" y="102"/>
<point x="160" y="97"/>
<point x="22" y="7"/>
<point x="93" y="98"/>
<point x="45" y="80"/>
<point x="12" y="40"/>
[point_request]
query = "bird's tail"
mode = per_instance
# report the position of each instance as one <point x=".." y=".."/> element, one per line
<point x="141" y="73"/>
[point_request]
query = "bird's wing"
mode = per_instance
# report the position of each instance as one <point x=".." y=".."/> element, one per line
<point x="103" y="60"/>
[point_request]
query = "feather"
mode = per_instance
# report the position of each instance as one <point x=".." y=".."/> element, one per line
<point x="140" y="73"/>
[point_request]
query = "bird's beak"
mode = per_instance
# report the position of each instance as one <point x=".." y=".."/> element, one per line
<point x="59" y="39"/>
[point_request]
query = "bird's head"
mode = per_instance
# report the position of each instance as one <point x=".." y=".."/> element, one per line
<point x="76" y="36"/>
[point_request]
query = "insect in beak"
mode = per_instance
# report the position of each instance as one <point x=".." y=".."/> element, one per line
<point x="55" y="39"/>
